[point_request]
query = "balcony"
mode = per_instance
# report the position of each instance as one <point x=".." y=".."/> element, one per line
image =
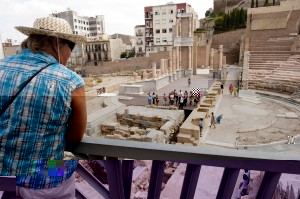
<point x="149" y="35"/>
<point x="149" y="16"/>
<point x="120" y="173"/>
<point x="139" y="34"/>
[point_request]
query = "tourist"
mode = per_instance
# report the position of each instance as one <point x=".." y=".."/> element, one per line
<point x="247" y="172"/>
<point x="230" y="89"/>
<point x="212" y="120"/>
<point x="191" y="97"/>
<point x="156" y="100"/>
<point x="172" y="96"/>
<point x="219" y="118"/>
<point x="196" y="100"/>
<point x="176" y="98"/>
<point x="48" y="113"/>
<point x="165" y="99"/>
<point x="181" y="100"/>
<point x="201" y="126"/>
<point x="153" y="98"/>
<point x="235" y="91"/>
<point x="185" y="98"/>
<point x="243" y="187"/>
<point x="189" y="82"/>
<point x="222" y="87"/>
<point x="149" y="99"/>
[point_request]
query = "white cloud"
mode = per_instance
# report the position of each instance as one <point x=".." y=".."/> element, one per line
<point x="120" y="16"/>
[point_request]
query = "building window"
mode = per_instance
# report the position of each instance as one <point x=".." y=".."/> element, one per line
<point x="157" y="40"/>
<point x="84" y="28"/>
<point x="156" y="21"/>
<point x="165" y="48"/>
<point x="164" y="30"/>
<point x="164" y="40"/>
<point x="84" y="22"/>
<point x="156" y="13"/>
<point x="163" y="12"/>
<point x="163" y="21"/>
<point x="171" y="11"/>
<point x="157" y="31"/>
<point x="75" y="26"/>
<point x="75" y="20"/>
<point x="170" y="30"/>
<point x="171" y="20"/>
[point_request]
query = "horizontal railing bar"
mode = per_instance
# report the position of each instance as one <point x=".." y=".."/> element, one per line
<point x="154" y="151"/>
<point x="281" y="166"/>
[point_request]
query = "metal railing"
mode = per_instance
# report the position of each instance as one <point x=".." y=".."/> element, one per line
<point x="119" y="172"/>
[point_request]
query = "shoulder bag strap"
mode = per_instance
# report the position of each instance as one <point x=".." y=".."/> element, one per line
<point x="23" y="85"/>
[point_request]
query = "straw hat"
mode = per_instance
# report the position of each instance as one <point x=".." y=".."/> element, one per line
<point x="52" y="26"/>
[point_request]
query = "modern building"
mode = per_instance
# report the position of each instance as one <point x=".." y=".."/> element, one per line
<point x="128" y="40"/>
<point x="140" y="40"/>
<point x="97" y="52"/>
<point x="90" y="27"/>
<point x="159" y="25"/>
<point x="10" y="48"/>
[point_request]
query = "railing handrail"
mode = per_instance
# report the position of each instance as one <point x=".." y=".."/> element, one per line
<point x="208" y="155"/>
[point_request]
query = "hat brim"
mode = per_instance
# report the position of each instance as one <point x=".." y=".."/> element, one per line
<point x="71" y="37"/>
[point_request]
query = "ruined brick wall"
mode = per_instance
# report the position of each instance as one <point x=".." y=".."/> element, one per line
<point x="135" y="63"/>
<point x="231" y="44"/>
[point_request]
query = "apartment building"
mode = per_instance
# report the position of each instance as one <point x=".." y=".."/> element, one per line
<point x="10" y="48"/>
<point x="91" y="27"/>
<point x="159" y="25"/>
<point x="140" y="40"/>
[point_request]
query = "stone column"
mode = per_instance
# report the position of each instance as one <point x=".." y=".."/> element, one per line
<point x="170" y="59"/>
<point x="190" y="58"/>
<point x="162" y="66"/>
<point x="180" y="61"/>
<point x="166" y="66"/>
<point x="135" y="76"/>
<point x="190" y="26"/>
<point x="144" y="74"/>
<point x="158" y="73"/>
<point x="211" y="58"/>
<point x="177" y="58"/>
<point x="220" y="56"/>
<point x="174" y="61"/>
<point x="153" y="69"/>
<point x="224" y="61"/>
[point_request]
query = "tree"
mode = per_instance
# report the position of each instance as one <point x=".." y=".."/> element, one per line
<point x="123" y="55"/>
<point x="273" y="2"/>
<point x="256" y="3"/>
<point x="252" y="3"/>
<point x="207" y="13"/>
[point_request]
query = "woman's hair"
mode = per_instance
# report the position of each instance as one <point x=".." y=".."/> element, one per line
<point x="36" y="43"/>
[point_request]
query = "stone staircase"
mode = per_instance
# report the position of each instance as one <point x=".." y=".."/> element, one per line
<point x="272" y="65"/>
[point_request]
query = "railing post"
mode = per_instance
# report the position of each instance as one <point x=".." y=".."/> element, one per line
<point x="127" y="169"/>
<point x="228" y="182"/>
<point x="268" y="185"/>
<point x="156" y="178"/>
<point x="190" y="181"/>
<point x="115" y="181"/>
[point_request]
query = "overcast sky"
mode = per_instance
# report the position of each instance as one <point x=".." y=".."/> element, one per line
<point x="120" y="15"/>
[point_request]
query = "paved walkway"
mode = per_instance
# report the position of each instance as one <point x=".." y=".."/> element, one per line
<point x="179" y="84"/>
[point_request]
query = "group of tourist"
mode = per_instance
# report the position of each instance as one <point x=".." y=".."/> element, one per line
<point x="233" y="89"/>
<point x="180" y="99"/>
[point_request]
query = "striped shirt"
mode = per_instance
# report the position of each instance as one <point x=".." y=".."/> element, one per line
<point x="33" y="128"/>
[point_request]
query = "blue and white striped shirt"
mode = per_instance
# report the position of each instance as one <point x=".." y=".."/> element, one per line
<point x="33" y="128"/>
